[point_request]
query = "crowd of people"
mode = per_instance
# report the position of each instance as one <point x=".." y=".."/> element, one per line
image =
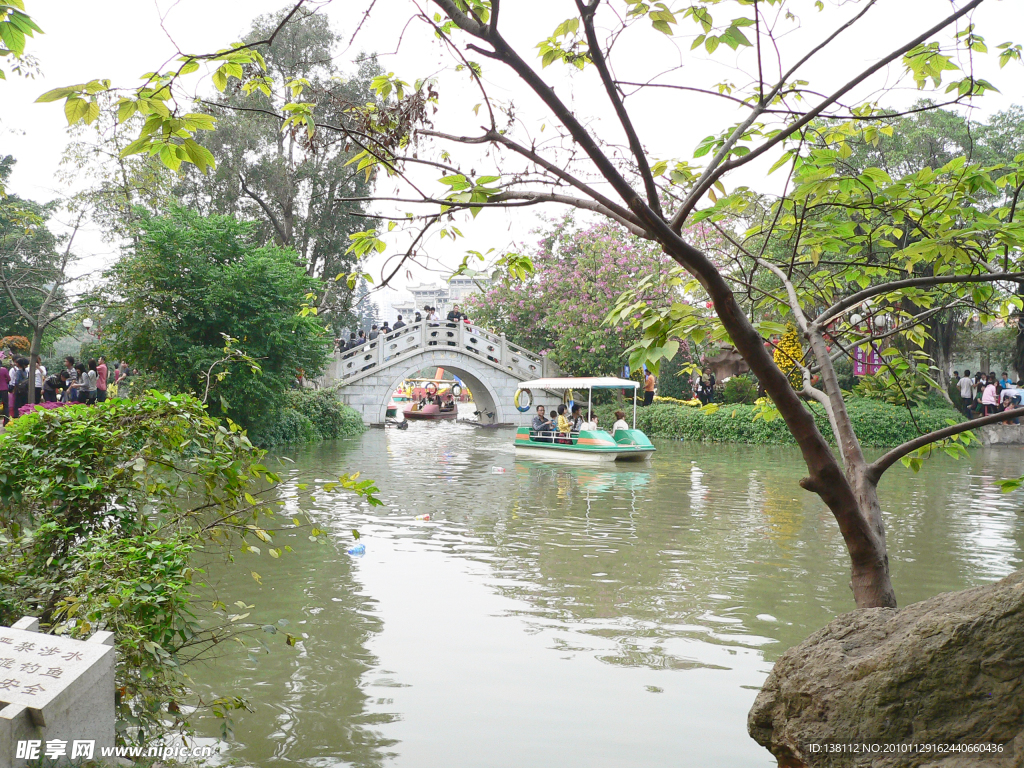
<point x="77" y="382"/>
<point x="358" y="338"/>
<point x="985" y="395"/>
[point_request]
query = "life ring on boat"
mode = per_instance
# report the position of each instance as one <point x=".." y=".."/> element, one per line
<point x="431" y="388"/>
<point x="456" y="390"/>
<point x="523" y="407"/>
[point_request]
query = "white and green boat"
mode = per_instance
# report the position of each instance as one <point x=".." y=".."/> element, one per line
<point x="588" y="445"/>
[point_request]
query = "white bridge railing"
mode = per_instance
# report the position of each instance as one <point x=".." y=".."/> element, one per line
<point x="437" y="336"/>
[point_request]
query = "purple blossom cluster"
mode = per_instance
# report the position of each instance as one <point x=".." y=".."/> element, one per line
<point x="560" y="310"/>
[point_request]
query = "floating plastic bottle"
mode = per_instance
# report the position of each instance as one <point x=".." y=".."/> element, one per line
<point x="497" y="470"/>
<point x="358" y="549"/>
<point x="423" y="517"/>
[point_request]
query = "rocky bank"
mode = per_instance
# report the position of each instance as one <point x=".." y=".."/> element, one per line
<point x="945" y="671"/>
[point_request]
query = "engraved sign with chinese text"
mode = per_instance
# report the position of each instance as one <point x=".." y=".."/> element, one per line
<point x="35" y="669"/>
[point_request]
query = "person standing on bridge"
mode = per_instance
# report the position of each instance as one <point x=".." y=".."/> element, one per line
<point x="399" y="323"/>
<point x="455" y="315"/>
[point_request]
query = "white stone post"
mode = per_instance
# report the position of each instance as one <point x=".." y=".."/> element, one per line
<point x="58" y="693"/>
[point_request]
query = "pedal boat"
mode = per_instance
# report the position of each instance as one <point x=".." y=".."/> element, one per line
<point x="586" y="446"/>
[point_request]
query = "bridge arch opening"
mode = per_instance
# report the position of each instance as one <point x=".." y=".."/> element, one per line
<point x="487" y="397"/>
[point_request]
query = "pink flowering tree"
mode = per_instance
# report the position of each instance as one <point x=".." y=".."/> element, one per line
<point x="579" y="273"/>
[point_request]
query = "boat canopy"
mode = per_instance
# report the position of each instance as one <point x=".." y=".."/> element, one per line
<point x="580" y="382"/>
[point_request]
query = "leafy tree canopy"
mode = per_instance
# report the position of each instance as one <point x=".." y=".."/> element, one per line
<point x="292" y="181"/>
<point x="192" y="279"/>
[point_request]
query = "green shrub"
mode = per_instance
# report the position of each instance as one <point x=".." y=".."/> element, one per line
<point x="309" y="416"/>
<point x="876" y="423"/>
<point x="740" y="389"/>
<point x="844" y="373"/>
<point x="330" y="418"/>
<point x="288" y="426"/>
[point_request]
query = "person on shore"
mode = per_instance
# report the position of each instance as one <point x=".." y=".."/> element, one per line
<point x="989" y="396"/>
<point x="1009" y="402"/>
<point x="1004" y="381"/>
<point x="648" y="389"/>
<point x="966" y="386"/>
<point x="620" y="422"/>
<point x="20" y="384"/>
<point x="5" y="389"/>
<point x="51" y="387"/>
<point x="40" y="378"/>
<point x="72" y="371"/>
<point x="101" y="380"/>
<point x="399" y="323"/>
<point x="85" y="387"/>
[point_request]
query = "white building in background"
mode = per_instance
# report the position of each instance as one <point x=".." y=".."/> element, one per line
<point x="440" y="295"/>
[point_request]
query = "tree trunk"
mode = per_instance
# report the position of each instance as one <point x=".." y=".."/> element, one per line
<point x="942" y="330"/>
<point x="856" y="510"/>
<point x="33" y="353"/>
<point x="872" y="585"/>
<point x="1018" y="349"/>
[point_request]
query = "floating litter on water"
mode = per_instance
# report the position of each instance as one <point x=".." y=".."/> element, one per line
<point x="423" y="517"/>
<point x="497" y="470"/>
<point x="358" y="549"/>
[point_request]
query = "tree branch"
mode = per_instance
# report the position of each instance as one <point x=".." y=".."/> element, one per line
<point x="897" y="285"/>
<point x="715" y="171"/>
<point x="587" y="14"/>
<point x="879" y="466"/>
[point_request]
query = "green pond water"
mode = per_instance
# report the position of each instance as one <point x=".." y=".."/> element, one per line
<point x="556" y="615"/>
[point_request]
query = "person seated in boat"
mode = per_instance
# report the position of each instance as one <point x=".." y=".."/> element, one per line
<point x="541" y="425"/>
<point x="563" y="425"/>
<point x="448" y="404"/>
<point x="576" y="418"/>
<point x="620" y="422"/>
<point x="590" y="423"/>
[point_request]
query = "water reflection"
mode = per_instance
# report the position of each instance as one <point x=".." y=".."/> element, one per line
<point x="554" y="615"/>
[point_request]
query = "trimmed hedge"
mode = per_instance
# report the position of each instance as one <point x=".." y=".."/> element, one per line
<point x="876" y="423"/>
<point x="309" y="416"/>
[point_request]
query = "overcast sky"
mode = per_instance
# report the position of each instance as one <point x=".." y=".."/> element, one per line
<point x="121" y="39"/>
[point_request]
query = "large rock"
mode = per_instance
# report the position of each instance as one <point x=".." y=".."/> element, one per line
<point x="946" y="671"/>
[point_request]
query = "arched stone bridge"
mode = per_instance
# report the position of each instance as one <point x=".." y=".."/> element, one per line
<point x="489" y="364"/>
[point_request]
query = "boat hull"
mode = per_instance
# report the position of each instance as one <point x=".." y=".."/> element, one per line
<point x="430" y="413"/>
<point x="588" y="447"/>
<point x="570" y="456"/>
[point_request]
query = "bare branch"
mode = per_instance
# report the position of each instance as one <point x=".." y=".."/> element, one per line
<point x="880" y="465"/>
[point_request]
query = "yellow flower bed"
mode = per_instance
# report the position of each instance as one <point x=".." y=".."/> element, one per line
<point x="694" y="403"/>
